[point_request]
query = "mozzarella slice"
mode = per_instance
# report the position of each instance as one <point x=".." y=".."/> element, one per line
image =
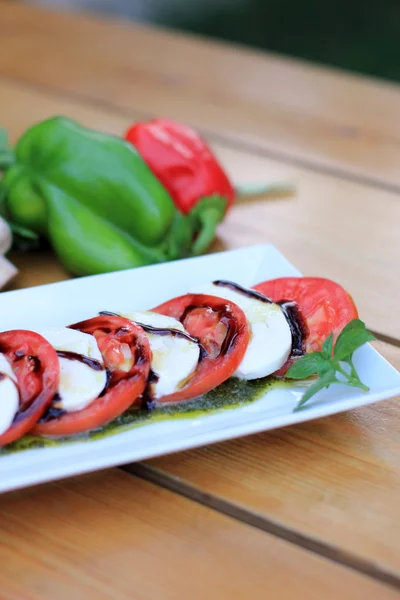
<point x="80" y="384"/>
<point x="174" y="358"/>
<point x="270" y="336"/>
<point x="9" y="395"/>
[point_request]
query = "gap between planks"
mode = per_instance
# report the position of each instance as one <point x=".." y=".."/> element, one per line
<point x="329" y="552"/>
<point x="388" y="339"/>
<point x="228" y="140"/>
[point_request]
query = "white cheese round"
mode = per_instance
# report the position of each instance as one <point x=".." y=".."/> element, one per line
<point x="80" y="384"/>
<point x="9" y="395"/>
<point x="174" y="358"/>
<point x="270" y="336"/>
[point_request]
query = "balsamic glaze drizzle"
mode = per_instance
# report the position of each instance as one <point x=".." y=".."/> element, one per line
<point x="107" y="384"/>
<point x="163" y="331"/>
<point x="166" y="331"/>
<point x="148" y="401"/>
<point x="297" y="324"/>
<point x="290" y="309"/>
<point x="294" y="318"/>
<point x="242" y="290"/>
<point x="93" y="363"/>
<point x="54" y="411"/>
<point x="225" y="318"/>
<point x="156" y="330"/>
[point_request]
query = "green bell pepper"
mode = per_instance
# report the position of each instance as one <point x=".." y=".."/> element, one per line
<point x="94" y="198"/>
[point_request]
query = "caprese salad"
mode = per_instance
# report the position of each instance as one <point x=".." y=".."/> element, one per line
<point x="64" y="381"/>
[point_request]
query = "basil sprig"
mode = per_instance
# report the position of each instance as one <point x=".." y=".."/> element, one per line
<point x="332" y="360"/>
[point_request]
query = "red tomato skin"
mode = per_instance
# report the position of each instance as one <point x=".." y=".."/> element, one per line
<point x="324" y="304"/>
<point x="211" y="372"/>
<point x="182" y="161"/>
<point x="125" y="388"/>
<point x="36" y="392"/>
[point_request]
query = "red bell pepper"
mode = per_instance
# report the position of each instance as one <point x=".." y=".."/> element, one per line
<point x="187" y="168"/>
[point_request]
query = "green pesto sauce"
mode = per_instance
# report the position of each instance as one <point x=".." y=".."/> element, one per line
<point x="231" y="394"/>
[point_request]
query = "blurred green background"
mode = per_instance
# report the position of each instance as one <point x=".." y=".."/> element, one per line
<point x="361" y="36"/>
<point x="357" y="35"/>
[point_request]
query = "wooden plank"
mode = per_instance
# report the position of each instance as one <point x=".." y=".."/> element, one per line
<point x="335" y="228"/>
<point x="335" y="481"/>
<point x="279" y="105"/>
<point x="111" y="535"/>
<point x="376" y="428"/>
<point x="369" y="434"/>
<point x="36" y="268"/>
<point x="316" y="477"/>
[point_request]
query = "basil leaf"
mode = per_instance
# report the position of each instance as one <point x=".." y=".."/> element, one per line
<point x="352" y="337"/>
<point x="354" y="324"/>
<point x="327" y="346"/>
<point x="307" y="365"/>
<point x="323" y="382"/>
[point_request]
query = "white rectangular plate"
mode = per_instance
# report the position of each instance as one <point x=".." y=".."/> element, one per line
<point x="71" y="301"/>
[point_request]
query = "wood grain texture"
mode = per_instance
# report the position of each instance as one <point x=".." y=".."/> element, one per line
<point x="282" y="106"/>
<point x="335" y="480"/>
<point x="335" y="228"/>
<point x="36" y="268"/>
<point x="111" y="535"/>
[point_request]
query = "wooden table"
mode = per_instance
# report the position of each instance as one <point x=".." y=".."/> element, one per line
<point x="311" y="511"/>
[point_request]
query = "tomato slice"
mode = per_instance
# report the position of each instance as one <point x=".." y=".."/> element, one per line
<point x="222" y="330"/>
<point x="126" y="354"/>
<point x="324" y="304"/>
<point x="35" y="364"/>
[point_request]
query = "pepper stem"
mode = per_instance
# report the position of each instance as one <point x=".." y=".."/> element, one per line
<point x="208" y="221"/>
<point x="206" y="215"/>
<point x="245" y="190"/>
